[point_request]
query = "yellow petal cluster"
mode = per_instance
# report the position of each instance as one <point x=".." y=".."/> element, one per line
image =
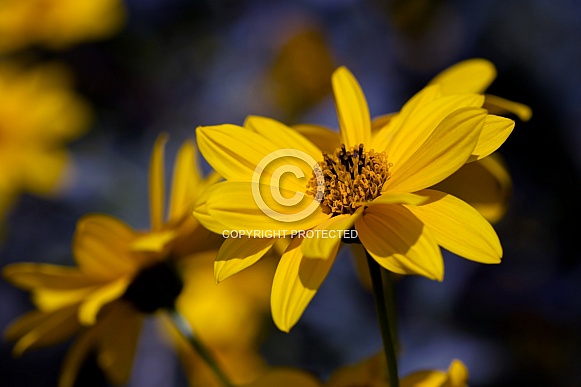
<point x="39" y="114"/>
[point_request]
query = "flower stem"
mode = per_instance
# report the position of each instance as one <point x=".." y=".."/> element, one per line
<point x="387" y="331"/>
<point x="185" y="329"/>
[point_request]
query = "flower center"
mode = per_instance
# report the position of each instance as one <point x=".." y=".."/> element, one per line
<point x="155" y="287"/>
<point x="351" y="178"/>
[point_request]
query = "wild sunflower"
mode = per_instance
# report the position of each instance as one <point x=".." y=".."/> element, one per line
<point x="121" y="276"/>
<point x="378" y="185"/>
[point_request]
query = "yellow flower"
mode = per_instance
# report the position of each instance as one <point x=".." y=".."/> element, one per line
<point x="39" y="113"/>
<point x="57" y="23"/>
<point x="122" y="275"/>
<point x="378" y="184"/>
<point x="370" y="373"/>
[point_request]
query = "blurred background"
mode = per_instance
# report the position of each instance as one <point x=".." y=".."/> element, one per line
<point x="149" y="66"/>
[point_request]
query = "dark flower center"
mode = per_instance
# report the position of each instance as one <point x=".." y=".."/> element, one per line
<point x="155" y="287"/>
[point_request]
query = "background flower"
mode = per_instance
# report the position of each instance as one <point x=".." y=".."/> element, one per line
<point x="57" y="23"/>
<point x="39" y="114"/>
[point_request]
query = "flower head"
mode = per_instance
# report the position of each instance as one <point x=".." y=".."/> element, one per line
<point x="121" y="275"/>
<point x="377" y="183"/>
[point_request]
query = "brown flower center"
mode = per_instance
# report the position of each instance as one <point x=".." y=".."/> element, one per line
<point x="351" y="178"/>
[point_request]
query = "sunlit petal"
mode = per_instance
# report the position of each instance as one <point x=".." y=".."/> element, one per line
<point x="281" y="135"/>
<point x="352" y="109"/>
<point x="469" y="76"/>
<point x="235" y="202"/>
<point x="408" y="130"/>
<point x="494" y="133"/>
<point x="442" y="154"/>
<point x="233" y="151"/>
<point x="295" y="283"/>
<point x="237" y="253"/>
<point x="458" y="227"/>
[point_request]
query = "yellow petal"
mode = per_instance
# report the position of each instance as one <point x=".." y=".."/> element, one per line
<point x="400" y="198"/>
<point x="326" y="237"/>
<point x="442" y="154"/>
<point x="469" y="76"/>
<point x="154" y="242"/>
<point x="458" y="227"/>
<point x="186" y="182"/>
<point x="157" y="182"/>
<point x="100" y="246"/>
<point x="76" y="356"/>
<point x="38" y="275"/>
<point x="119" y="337"/>
<point x="237" y="254"/>
<point x="418" y="119"/>
<point x="50" y="300"/>
<point x="379" y="122"/>
<point x="352" y="109"/>
<point x="281" y="135"/>
<point x="233" y="151"/>
<point x="324" y="138"/>
<point x="202" y="214"/>
<point x="494" y="133"/>
<point x="484" y="184"/>
<point x="235" y="205"/>
<point x="37" y="329"/>
<point x="457" y="375"/>
<point x="390" y="132"/>
<point x="295" y="283"/>
<point x="498" y="105"/>
<point x="89" y="309"/>
<point x="399" y="241"/>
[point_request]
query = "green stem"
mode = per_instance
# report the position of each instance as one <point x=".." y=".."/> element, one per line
<point x="384" y="324"/>
<point x="390" y="304"/>
<point x="185" y="329"/>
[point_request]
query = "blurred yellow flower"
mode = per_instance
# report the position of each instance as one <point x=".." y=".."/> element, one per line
<point x="371" y="372"/>
<point x="57" y="23"/>
<point x="377" y="183"/>
<point x="122" y="275"/>
<point x="39" y="113"/>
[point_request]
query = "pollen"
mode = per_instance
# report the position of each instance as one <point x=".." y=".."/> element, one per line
<point x="348" y="179"/>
